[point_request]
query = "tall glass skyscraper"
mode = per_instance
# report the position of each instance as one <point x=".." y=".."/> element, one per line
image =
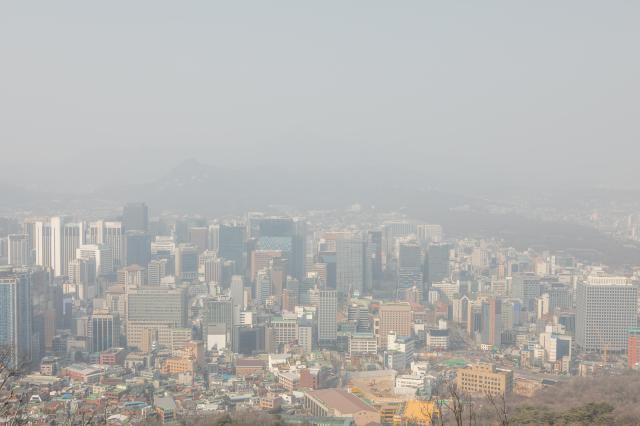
<point x="15" y="316"/>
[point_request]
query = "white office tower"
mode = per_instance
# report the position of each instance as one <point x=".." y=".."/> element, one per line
<point x="57" y="225"/>
<point x="114" y="238"/>
<point x="95" y="232"/>
<point x="65" y="239"/>
<point x="327" y="318"/>
<point x="210" y="268"/>
<point x="263" y="286"/>
<point x="606" y="310"/>
<point x="156" y="271"/>
<point x="100" y="254"/>
<point x="350" y="262"/>
<point x="73" y="238"/>
<point x="43" y="243"/>
<point x="82" y="273"/>
<point x="18" y="250"/>
<point x="133" y="276"/>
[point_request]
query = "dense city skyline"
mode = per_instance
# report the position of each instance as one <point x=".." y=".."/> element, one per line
<point x="363" y="213"/>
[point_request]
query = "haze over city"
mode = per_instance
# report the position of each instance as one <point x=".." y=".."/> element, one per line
<point x="450" y="92"/>
<point x="319" y="213"/>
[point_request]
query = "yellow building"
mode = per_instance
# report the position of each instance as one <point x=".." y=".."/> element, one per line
<point x="484" y="378"/>
<point x="178" y="365"/>
<point x="387" y="413"/>
<point x="415" y="412"/>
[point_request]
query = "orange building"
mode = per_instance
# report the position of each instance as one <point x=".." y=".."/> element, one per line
<point x="178" y="365"/>
<point x="633" y="348"/>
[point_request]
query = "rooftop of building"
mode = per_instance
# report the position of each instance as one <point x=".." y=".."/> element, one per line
<point x="340" y="400"/>
<point x="249" y="362"/>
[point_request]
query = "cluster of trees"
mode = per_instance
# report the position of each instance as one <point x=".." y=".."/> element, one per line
<point x="604" y="400"/>
<point x="11" y="404"/>
<point x="582" y="400"/>
<point x="593" y="413"/>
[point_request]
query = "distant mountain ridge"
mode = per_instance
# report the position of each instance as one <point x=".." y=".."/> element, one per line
<point x="193" y="187"/>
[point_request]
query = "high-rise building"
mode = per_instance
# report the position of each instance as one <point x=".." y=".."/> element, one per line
<point x="156" y="271"/>
<point x="284" y="330"/>
<point x="606" y="310"/>
<point x="350" y="266"/>
<point x="219" y="314"/>
<point x="100" y="254"/>
<point x="18" y="250"/>
<point x="278" y="276"/>
<point x="43" y="243"/>
<point x="186" y="262"/>
<point x="428" y="233"/>
<point x="73" y="237"/>
<point x="491" y="322"/>
<point x="229" y="242"/>
<point x="236" y="291"/>
<point x="65" y="239"/>
<point x="199" y="237"/>
<point x="155" y="308"/>
<point x="15" y="316"/>
<point x="113" y="237"/>
<point x="526" y="287"/>
<point x="410" y="265"/>
<point x="57" y="225"/>
<point x="261" y="259"/>
<point x="306" y="336"/>
<point x="438" y="262"/>
<point x="135" y="217"/>
<point x="288" y="236"/>
<point x="393" y="230"/>
<point x="137" y="248"/>
<point x="299" y="250"/>
<point x="327" y="318"/>
<point x="95" y="232"/>
<point x="374" y="244"/>
<point x="210" y="267"/>
<point x="82" y="272"/>
<point x="133" y="276"/>
<point x="358" y="314"/>
<point x="103" y="331"/>
<point x="394" y="317"/>
<point x="29" y="228"/>
<point x="263" y="286"/>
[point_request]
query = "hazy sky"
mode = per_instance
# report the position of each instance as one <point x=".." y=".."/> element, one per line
<point x="514" y="89"/>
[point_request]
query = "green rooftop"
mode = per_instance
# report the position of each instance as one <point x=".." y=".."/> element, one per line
<point x="454" y="362"/>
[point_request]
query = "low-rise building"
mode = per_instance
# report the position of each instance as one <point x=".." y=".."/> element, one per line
<point x="438" y="339"/>
<point x="247" y="366"/>
<point x="113" y="356"/>
<point x="339" y="403"/>
<point x="363" y="344"/>
<point x="484" y="378"/>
